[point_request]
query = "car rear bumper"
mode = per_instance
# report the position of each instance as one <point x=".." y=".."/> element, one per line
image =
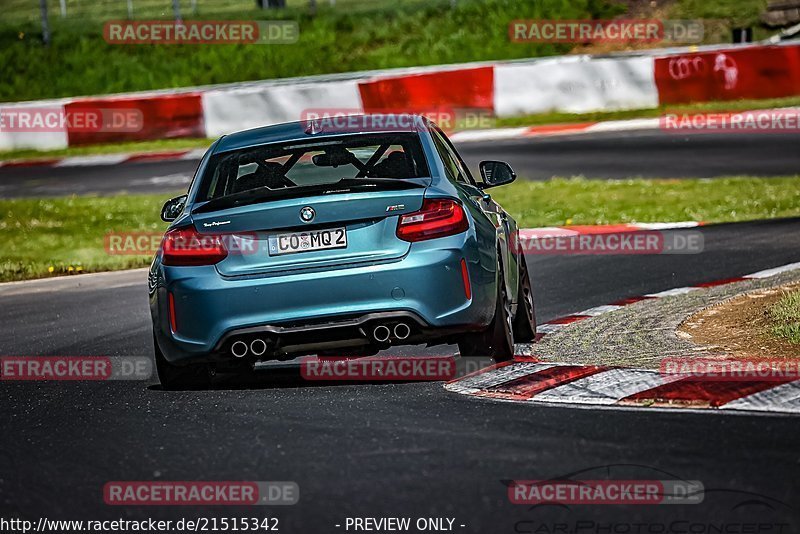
<point x="426" y="286"/>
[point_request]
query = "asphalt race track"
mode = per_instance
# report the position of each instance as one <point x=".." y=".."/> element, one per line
<point x="398" y="450"/>
<point x="650" y="154"/>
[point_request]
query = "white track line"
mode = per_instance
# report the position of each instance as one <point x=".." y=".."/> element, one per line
<point x="86" y="161"/>
<point x="668" y="226"/>
<point x="549" y="328"/>
<point x="197" y="153"/>
<point x="775" y="270"/>
<point x="488" y="135"/>
<point x="626" y="125"/>
<point x="671" y="292"/>
<point x="600" y="310"/>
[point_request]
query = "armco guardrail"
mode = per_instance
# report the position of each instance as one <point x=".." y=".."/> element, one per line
<point x="566" y="83"/>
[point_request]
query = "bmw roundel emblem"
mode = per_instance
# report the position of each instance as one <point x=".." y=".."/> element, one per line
<point x="307" y="214"/>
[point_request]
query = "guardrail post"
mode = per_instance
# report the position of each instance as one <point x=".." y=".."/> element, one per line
<point x="45" y="25"/>
<point x="176" y="8"/>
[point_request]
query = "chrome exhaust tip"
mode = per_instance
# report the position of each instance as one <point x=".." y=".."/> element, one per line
<point x="402" y="331"/>
<point x="239" y="349"/>
<point x="381" y="333"/>
<point x="258" y="347"/>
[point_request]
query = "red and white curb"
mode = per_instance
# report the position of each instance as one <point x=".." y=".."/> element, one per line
<point x="108" y="159"/>
<point x="526" y="380"/>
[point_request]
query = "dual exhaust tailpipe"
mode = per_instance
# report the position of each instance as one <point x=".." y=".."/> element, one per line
<point x="383" y="333"/>
<point x="257" y="347"/>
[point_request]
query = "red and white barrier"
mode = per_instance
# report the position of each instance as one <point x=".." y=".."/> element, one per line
<point x="751" y="72"/>
<point x="230" y="110"/>
<point x="571" y="84"/>
<point x="452" y="88"/>
<point x="162" y="117"/>
<point x="577" y="84"/>
<point x="39" y="140"/>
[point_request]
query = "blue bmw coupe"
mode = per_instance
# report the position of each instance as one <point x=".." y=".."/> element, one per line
<point x="316" y="237"/>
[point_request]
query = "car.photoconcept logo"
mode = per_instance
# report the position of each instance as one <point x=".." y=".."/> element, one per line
<point x="307" y="214"/>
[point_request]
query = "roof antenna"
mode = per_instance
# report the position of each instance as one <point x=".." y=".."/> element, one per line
<point x="313" y="127"/>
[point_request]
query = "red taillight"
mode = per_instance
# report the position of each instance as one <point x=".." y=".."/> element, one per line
<point x="186" y="246"/>
<point x="438" y="217"/>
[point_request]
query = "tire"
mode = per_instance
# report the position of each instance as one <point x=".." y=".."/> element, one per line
<point x="525" y="318"/>
<point x="497" y="340"/>
<point x="181" y="377"/>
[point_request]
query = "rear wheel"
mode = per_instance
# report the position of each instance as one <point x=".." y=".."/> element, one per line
<point x="180" y="377"/>
<point x="525" y="318"/>
<point x="497" y="340"/>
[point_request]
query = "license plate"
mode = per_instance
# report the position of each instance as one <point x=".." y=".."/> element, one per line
<point x="295" y="242"/>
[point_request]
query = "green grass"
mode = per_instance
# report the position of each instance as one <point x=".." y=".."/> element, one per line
<point x="579" y="201"/>
<point x="47" y="237"/>
<point x="43" y="237"/>
<point x="354" y="35"/>
<point x="386" y="35"/>
<point x="785" y="317"/>
<point x="25" y="10"/>
<point x="722" y="15"/>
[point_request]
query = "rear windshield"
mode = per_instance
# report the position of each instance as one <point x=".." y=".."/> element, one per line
<point x="278" y="167"/>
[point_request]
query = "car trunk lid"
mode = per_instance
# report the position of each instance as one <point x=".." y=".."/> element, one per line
<point x="368" y="220"/>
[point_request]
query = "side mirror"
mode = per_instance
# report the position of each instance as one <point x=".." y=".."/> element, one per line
<point x="173" y="208"/>
<point x="496" y="173"/>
